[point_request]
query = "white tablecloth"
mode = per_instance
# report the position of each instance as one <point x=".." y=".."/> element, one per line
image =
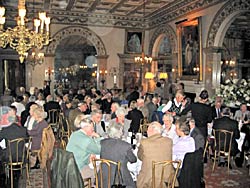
<point x="135" y="168"/>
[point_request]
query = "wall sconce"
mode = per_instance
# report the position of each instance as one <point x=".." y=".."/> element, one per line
<point x="149" y="75"/>
<point x="49" y="72"/>
<point x="197" y="71"/>
<point x="174" y="73"/>
<point x="228" y="70"/>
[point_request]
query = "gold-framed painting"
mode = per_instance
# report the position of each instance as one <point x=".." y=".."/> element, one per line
<point x="134" y="40"/>
<point x="190" y="49"/>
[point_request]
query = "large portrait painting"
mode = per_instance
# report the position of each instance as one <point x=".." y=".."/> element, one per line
<point x="134" y="41"/>
<point x="189" y="50"/>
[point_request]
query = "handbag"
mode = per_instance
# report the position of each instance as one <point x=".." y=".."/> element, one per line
<point x="120" y="180"/>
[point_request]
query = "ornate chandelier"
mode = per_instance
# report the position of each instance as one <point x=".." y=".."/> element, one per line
<point x="22" y="39"/>
<point x="35" y="57"/>
<point x="143" y="58"/>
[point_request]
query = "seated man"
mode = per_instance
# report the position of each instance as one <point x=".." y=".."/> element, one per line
<point x="99" y="125"/>
<point x="153" y="148"/>
<point x="185" y="143"/>
<point x="196" y="135"/>
<point x="228" y="124"/>
<point x="85" y="145"/>
<point x="10" y="132"/>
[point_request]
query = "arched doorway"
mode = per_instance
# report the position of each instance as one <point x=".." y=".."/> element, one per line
<point x="228" y="39"/>
<point x="75" y="63"/>
<point x="70" y="48"/>
<point x="163" y="46"/>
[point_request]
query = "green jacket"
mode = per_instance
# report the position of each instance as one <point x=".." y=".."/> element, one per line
<point x="82" y="146"/>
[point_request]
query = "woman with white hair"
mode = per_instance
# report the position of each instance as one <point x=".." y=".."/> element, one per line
<point x="120" y="151"/>
<point x="121" y="120"/>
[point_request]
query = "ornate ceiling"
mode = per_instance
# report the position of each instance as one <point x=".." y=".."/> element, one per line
<point x="112" y="13"/>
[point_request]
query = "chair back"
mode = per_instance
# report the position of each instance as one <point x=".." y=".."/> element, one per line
<point x="17" y="151"/>
<point x="53" y="116"/>
<point x="222" y="144"/>
<point x="223" y="141"/>
<point x="104" y="167"/>
<point x="64" y="127"/>
<point x="159" y="168"/>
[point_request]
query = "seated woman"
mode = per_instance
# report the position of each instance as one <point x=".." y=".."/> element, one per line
<point x="37" y="131"/>
<point x="120" y="151"/>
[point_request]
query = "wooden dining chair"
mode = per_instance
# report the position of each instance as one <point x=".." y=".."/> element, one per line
<point x="104" y="167"/>
<point x="222" y="146"/>
<point x="18" y="157"/>
<point x="53" y="119"/>
<point x="160" y="168"/>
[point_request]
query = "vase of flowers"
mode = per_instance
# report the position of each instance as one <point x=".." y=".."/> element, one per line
<point x="235" y="92"/>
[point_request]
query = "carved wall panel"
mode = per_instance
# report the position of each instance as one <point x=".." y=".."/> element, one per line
<point x="228" y="9"/>
<point x="71" y="31"/>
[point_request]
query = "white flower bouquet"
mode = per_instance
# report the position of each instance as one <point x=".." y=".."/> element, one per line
<point x="235" y="92"/>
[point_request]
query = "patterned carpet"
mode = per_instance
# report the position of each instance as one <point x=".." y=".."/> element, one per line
<point x="238" y="178"/>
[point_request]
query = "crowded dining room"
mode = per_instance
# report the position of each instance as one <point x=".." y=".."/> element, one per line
<point x="166" y="105"/>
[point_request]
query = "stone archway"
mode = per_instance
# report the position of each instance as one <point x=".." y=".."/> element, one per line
<point x="154" y="46"/>
<point x="223" y="19"/>
<point x="81" y="31"/>
<point x="162" y="31"/>
<point x="216" y="34"/>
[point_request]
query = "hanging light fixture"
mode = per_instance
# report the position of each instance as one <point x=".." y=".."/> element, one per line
<point x="35" y="57"/>
<point x="143" y="58"/>
<point x="21" y="38"/>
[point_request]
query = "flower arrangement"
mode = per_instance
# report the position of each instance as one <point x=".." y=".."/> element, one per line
<point x="235" y="91"/>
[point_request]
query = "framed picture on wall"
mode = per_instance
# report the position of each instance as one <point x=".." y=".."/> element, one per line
<point x="189" y="49"/>
<point x="133" y="43"/>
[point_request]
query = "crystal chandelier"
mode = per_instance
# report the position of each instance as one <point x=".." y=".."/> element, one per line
<point x="21" y="38"/>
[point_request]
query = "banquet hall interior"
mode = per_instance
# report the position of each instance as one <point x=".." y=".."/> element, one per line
<point x="120" y="45"/>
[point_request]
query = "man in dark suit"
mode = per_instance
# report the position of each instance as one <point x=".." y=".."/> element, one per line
<point x="50" y="105"/>
<point x="196" y="135"/>
<point x="133" y="96"/>
<point x="225" y="123"/>
<point x="217" y="109"/>
<point x="136" y="116"/>
<point x="10" y="132"/>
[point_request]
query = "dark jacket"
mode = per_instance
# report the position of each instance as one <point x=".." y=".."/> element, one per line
<point x="202" y="115"/>
<point x="228" y="124"/>
<point x="64" y="171"/>
<point x="120" y="151"/>
<point x="11" y="132"/>
<point x="136" y="117"/>
<point x="191" y="172"/>
<point x="198" y="139"/>
<point x="214" y="112"/>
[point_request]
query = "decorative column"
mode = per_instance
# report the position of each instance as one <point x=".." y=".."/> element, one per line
<point x="212" y="69"/>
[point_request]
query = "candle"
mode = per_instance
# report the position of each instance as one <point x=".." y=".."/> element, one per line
<point x="114" y="79"/>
